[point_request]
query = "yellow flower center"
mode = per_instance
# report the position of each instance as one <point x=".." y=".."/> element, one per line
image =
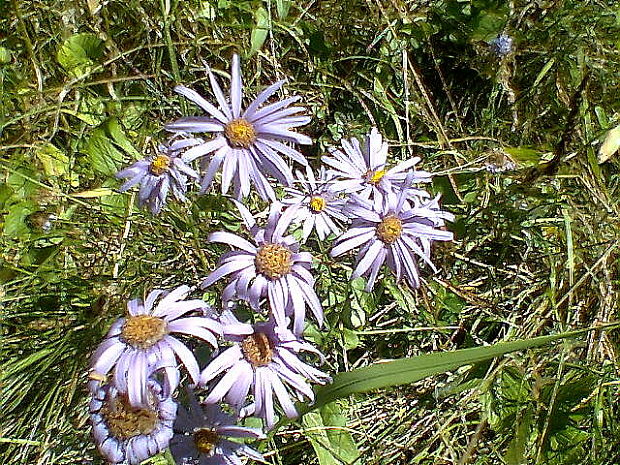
<point x="257" y="349"/>
<point x="273" y="260"/>
<point x="317" y="204"/>
<point x="125" y="421"/>
<point x="240" y="133"/>
<point x="374" y="177"/>
<point x="160" y="164"/>
<point x="205" y="440"/>
<point x="389" y="229"/>
<point x="143" y="331"/>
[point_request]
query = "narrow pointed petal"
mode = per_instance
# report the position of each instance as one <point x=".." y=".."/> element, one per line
<point x="201" y="102"/>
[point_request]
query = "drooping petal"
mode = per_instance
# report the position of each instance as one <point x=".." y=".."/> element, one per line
<point x="186" y="356"/>
<point x="221" y="363"/>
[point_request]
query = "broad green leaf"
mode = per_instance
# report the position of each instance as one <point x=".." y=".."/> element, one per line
<point x="115" y="130"/>
<point x="487" y="25"/>
<point x="54" y="161"/>
<point x="114" y="205"/>
<point x="515" y="454"/>
<point x="5" y="55"/>
<point x="164" y="458"/>
<point x="351" y="339"/>
<point x="21" y="181"/>
<point x="328" y="434"/>
<point x="413" y="369"/>
<point x="15" y="220"/>
<point x="90" y="110"/>
<point x="282" y="7"/>
<point x="611" y="144"/>
<point x="259" y="33"/>
<point x="79" y="53"/>
<point x="524" y="156"/>
<point x="102" y="155"/>
<point x="601" y="116"/>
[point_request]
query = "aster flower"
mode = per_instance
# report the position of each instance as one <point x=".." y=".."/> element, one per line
<point x="130" y="435"/>
<point x="165" y="171"/>
<point x="272" y="266"/>
<point x="363" y="169"/>
<point x="248" y="143"/>
<point x="141" y="343"/>
<point x="392" y="231"/>
<point x="201" y="436"/>
<point x="264" y="358"/>
<point x="317" y="204"/>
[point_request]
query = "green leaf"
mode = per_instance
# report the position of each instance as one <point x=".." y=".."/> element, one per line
<point x="79" y="53"/>
<point x="601" y="116"/>
<point x="611" y="144"/>
<point x="381" y="95"/>
<point x="102" y="155"/>
<point x="328" y="434"/>
<point x="90" y="110"/>
<point x="487" y="25"/>
<point x="54" y="161"/>
<point x="543" y="72"/>
<point x="20" y="181"/>
<point x="15" y="220"/>
<point x="259" y="33"/>
<point x="117" y="133"/>
<point x="411" y="370"/>
<point x="515" y="454"/>
<point x="282" y="7"/>
<point x="524" y="156"/>
<point x="351" y="339"/>
<point x="5" y="55"/>
<point x="164" y="458"/>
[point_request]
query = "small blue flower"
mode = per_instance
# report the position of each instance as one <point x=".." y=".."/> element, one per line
<point x="166" y="170"/>
<point x="502" y="45"/>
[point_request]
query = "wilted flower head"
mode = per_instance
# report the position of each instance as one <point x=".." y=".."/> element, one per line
<point x="249" y="143"/>
<point x="272" y="266"/>
<point x="202" y="433"/>
<point x="127" y="434"/>
<point x="392" y="231"/>
<point x="165" y="171"/>
<point x="363" y="169"/>
<point x="317" y="202"/>
<point x="265" y="359"/>
<point x="141" y="343"/>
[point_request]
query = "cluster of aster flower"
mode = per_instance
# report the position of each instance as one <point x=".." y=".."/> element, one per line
<point x="263" y="369"/>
